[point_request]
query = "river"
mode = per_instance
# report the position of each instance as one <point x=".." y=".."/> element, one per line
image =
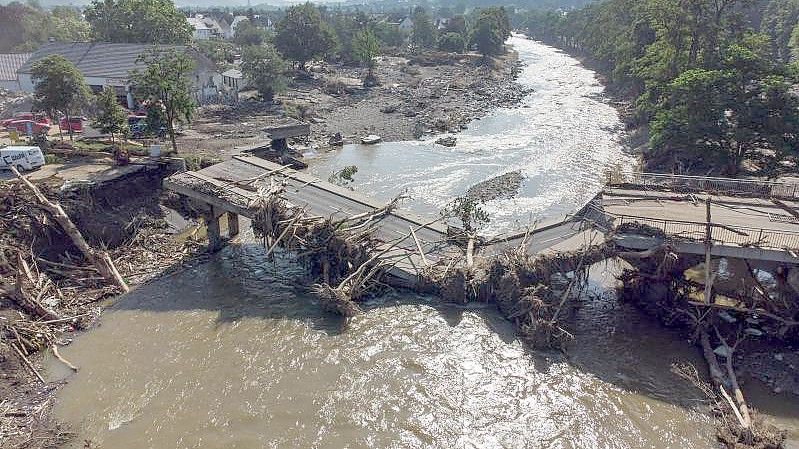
<point x="233" y="353"/>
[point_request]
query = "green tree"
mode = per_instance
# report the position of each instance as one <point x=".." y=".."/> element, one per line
<point x="109" y="118"/>
<point x="346" y="26"/>
<point x="469" y="212"/>
<point x="423" y="33"/>
<point x="166" y="79"/>
<point x="302" y="36"/>
<point x="265" y="69"/>
<point x="25" y="28"/>
<point x="451" y="42"/>
<point x="365" y="47"/>
<point x="793" y="44"/>
<point x="389" y="35"/>
<point x="59" y="88"/>
<point x="779" y="20"/>
<point x="138" y="21"/>
<point x="218" y="51"/>
<point x="491" y="29"/>
<point x="247" y="33"/>
<point x="721" y="117"/>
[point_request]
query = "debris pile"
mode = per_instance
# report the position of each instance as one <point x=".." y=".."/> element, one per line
<point x="723" y="321"/>
<point x="341" y="255"/>
<point x="49" y="286"/>
<point x="521" y="285"/>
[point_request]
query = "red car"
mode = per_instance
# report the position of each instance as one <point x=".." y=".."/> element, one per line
<point x="38" y="118"/>
<point x="23" y="126"/>
<point x="75" y="123"/>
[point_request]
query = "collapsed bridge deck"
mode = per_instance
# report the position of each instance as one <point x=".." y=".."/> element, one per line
<point x="232" y="187"/>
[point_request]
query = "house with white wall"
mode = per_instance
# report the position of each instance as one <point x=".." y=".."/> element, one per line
<point x="9" y="65"/>
<point x="205" y="28"/>
<point x="107" y="64"/>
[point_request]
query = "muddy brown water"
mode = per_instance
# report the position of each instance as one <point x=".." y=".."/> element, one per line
<point x="233" y="353"/>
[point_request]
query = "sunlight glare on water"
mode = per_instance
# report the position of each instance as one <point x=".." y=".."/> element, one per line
<point x="564" y="138"/>
<point x="233" y="354"/>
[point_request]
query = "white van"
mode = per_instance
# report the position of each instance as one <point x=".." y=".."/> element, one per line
<point x="23" y="158"/>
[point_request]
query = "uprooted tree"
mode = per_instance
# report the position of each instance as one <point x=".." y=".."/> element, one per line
<point x="342" y="254"/>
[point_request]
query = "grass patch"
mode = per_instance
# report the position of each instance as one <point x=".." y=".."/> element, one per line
<point x="198" y="162"/>
<point x="53" y="159"/>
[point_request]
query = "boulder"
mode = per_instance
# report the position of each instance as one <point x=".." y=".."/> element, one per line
<point x="390" y="108"/>
<point x="448" y="141"/>
<point x="336" y="140"/>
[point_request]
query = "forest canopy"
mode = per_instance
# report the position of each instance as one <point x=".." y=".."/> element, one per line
<point x="714" y="81"/>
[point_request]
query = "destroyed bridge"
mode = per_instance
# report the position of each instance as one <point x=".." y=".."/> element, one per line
<point x="746" y="219"/>
<point x="754" y="220"/>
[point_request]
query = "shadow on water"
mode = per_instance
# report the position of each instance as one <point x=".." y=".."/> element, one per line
<point x="614" y="342"/>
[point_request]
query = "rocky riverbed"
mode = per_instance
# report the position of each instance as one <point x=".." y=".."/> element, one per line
<point x="501" y="187"/>
<point x="418" y="95"/>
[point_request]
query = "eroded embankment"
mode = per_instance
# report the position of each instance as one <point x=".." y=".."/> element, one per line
<point x="50" y="290"/>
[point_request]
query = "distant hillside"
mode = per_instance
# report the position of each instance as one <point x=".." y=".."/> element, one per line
<point x="385" y="3"/>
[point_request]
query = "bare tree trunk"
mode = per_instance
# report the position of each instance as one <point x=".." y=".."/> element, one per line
<point x="172" y="136"/>
<point x="100" y="259"/>
<point x="69" y="125"/>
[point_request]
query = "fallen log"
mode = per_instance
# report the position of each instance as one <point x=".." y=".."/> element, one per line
<point x="100" y="259"/>
<point x="26" y="302"/>
<point x="62" y="359"/>
<point x="28" y="363"/>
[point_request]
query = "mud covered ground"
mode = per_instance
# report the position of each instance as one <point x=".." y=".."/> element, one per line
<point x="417" y="96"/>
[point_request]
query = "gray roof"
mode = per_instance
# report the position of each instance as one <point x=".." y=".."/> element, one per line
<point x="233" y="73"/>
<point x="99" y="59"/>
<point x="10" y="63"/>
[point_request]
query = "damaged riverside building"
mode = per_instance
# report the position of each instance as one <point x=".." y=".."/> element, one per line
<point x="107" y="64"/>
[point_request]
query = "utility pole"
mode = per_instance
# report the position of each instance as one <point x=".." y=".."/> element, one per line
<point x="709" y="277"/>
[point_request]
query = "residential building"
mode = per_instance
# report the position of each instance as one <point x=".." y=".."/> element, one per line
<point x="205" y="28"/>
<point x="9" y="65"/>
<point x="233" y="81"/>
<point x="106" y="64"/>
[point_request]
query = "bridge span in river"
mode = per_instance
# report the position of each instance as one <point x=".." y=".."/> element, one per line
<point x="753" y="220"/>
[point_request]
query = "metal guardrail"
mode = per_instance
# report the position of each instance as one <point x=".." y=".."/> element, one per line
<point x="719" y="186"/>
<point x="721" y="235"/>
<point x="695" y="231"/>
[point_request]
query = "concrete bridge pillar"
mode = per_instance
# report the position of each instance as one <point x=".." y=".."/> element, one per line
<point x="214" y="235"/>
<point x="232" y="225"/>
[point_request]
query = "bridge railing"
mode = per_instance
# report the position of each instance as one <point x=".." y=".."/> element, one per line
<point x="720" y="234"/>
<point x="719" y="186"/>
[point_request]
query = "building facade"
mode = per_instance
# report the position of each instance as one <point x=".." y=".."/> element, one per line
<point x="10" y="63"/>
<point x="106" y="64"/>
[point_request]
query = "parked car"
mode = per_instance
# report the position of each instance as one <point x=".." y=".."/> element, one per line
<point x="137" y="124"/>
<point x="36" y="117"/>
<point x="26" y="126"/>
<point x="75" y="123"/>
<point x="22" y="158"/>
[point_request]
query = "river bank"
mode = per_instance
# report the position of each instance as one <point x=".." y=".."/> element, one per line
<point x="127" y="218"/>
